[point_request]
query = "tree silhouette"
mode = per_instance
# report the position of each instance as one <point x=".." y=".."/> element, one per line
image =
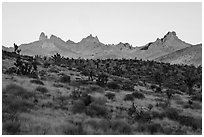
<point x="158" y="78"/>
<point x="190" y="78"/>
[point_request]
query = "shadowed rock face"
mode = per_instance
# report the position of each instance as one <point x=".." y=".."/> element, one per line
<point x="91" y="47"/>
<point x="42" y="36"/>
<point x="90" y="39"/>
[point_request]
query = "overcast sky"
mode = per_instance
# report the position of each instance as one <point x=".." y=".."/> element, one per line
<point x="135" y="23"/>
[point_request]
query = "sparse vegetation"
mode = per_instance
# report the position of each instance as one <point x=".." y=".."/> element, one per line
<point x="42" y="90"/>
<point x="95" y="88"/>
<point x="110" y="95"/>
<point x="138" y="95"/>
<point x="129" y="97"/>
<point x="65" y="79"/>
<point x="113" y="85"/>
<point x="37" y="82"/>
<point x="113" y="96"/>
<point x="15" y="100"/>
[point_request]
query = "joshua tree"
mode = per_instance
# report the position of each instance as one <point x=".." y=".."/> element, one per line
<point x="169" y="94"/>
<point x="158" y="78"/>
<point x="190" y="78"/>
<point x="15" y="47"/>
<point x="16" y="50"/>
<point x="102" y="80"/>
<point x="57" y="58"/>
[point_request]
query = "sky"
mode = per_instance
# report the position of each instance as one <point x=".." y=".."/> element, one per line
<point x="132" y="22"/>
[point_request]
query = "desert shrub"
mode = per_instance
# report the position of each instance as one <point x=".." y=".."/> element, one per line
<point x="96" y="126"/>
<point x="195" y="123"/>
<point x="54" y="69"/>
<point x="58" y="85"/>
<point x="36" y="81"/>
<point x="153" y="87"/>
<point x="183" y="88"/>
<point x="110" y="95"/>
<point x="11" y="70"/>
<point x="142" y="116"/>
<point x="87" y="99"/>
<point x="138" y="95"/>
<point x="112" y="127"/>
<point x="195" y="105"/>
<point x="73" y="129"/>
<point x="65" y="79"/>
<point x="75" y="94"/>
<point x="97" y="108"/>
<point x="180" y="102"/>
<point x="150" y="106"/>
<point x="19" y="91"/>
<point x="152" y="128"/>
<point x="11" y="127"/>
<point x="46" y="64"/>
<point x="95" y="88"/>
<point x="129" y="97"/>
<point x="41" y="89"/>
<point x="78" y="106"/>
<point x="83" y="82"/>
<point x="33" y="74"/>
<point x="156" y="114"/>
<point x="120" y="126"/>
<point x="94" y="122"/>
<point x="42" y="73"/>
<point x="102" y="80"/>
<point x="158" y="90"/>
<point x="63" y="98"/>
<point x="99" y="100"/>
<point x="140" y="83"/>
<point x="15" y="100"/>
<point x="197" y="97"/>
<point x="172" y="113"/>
<point x="162" y="104"/>
<point x="128" y="86"/>
<point x="12" y="105"/>
<point x="113" y="85"/>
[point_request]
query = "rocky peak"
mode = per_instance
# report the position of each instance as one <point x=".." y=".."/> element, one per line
<point x="70" y="42"/>
<point x="90" y="38"/>
<point x="126" y="45"/>
<point x="169" y="35"/>
<point x="57" y="40"/>
<point x="53" y="37"/>
<point x="168" y="38"/>
<point x="42" y="36"/>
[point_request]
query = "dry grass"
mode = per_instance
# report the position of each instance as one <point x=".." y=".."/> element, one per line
<point x="64" y="110"/>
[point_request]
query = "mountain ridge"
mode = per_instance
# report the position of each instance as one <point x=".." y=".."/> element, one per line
<point x="90" y="47"/>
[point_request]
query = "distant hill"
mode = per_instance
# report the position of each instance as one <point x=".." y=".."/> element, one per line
<point x="190" y="55"/>
<point x="91" y="48"/>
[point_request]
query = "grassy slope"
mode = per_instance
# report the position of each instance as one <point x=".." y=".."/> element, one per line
<point x="48" y="117"/>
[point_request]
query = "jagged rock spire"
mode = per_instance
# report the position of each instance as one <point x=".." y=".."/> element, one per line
<point x="42" y="36"/>
<point x="90" y="38"/>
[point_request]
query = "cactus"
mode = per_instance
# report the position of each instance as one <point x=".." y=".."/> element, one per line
<point x="26" y="68"/>
<point x="15" y="47"/>
<point x="102" y="80"/>
<point x="16" y="50"/>
<point x="57" y="58"/>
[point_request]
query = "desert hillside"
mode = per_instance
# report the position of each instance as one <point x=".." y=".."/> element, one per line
<point x="62" y="96"/>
